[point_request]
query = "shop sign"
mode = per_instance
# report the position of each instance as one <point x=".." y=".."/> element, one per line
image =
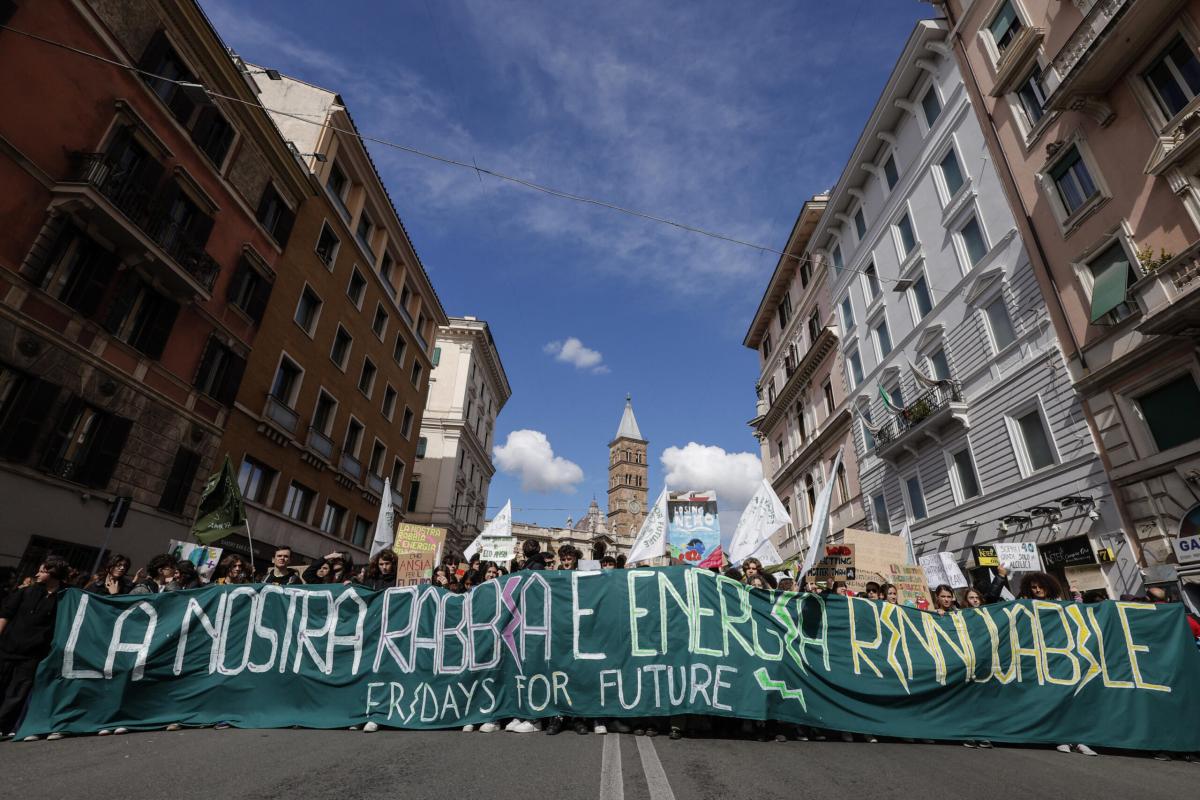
<point x="985" y="556"/>
<point x="1073" y="552"/>
<point x="1187" y="544"/>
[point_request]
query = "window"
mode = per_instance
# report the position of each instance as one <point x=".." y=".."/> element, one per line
<point x="1112" y="276"/>
<point x="1170" y="412"/>
<point x="415" y="375"/>
<point x="906" y="236"/>
<point x="323" y="414"/>
<point x="868" y="438"/>
<point x="287" y="381"/>
<point x="766" y="346"/>
<point x="338" y="185"/>
<point x="779" y="451"/>
<point x="85" y="444"/>
<point x="255" y="480"/>
<point x="362" y="531"/>
<point x="921" y="299"/>
<point x="332" y="519"/>
<point x="827" y="390"/>
<point x="399" y="348"/>
<point x="163" y="70"/>
<point x="1033" y="440"/>
<point x="422" y="443"/>
<point x="379" y="323"/>
<point x="340" y="351"/>
<point x="366" y="378"/>
<point x="939" y="365"/>
<point x="389" y="401"/>
<point x="83" y="270"/>
<point x="810" y="493"/>
<point x="855" y="369"/>
<point x="1174" y="78"/>
<point x="974" y="245"/>
<point x="771" y="392"/>
<point x="879" y="511"/>
<point x="1032" y="94"/>
<point x="179" y="481"/>
<point x="952" y="175"/>
<point x="364" y="231"/>
<point x="397" y="475"/>
<point x="437" y="359"/>
<point x="354" y="432"/>
<point x="871" y="276"/>
<point x="356" y="288"/>
<point x="999" y="324"/>
<point x="847" y="313"/>
<point x="916" y="498"/>
<point x="220" y="372"/>
<point x="897" y="395"/>
<point x="836" y="256"/>
<point x="843" y="485"/>
<point x="889" y="171"/>
<point x="1073" y="181"/>
<point x="249" y="290"/>
<point x="814" y="327"/>
<point x="883" y="338"/>
<point x="299" y="502"/>
<point x="784" y="310"/>
<point x="964" y="471"/>
<point x="385" y="272"/>
<point x="141" y="317"/>
<point x="307" y="310"/>
<point x="1005" y="26"/>
<point x="414" y="489"/>
<point x="860" y="224"/>
<point x="378" y="454"/>
<point x="275" y="216"/>
<point x="931" y="105"/>
<point x="805" y="273"/>
<point x="406" y="423"/>
<point x="327" y="246"/>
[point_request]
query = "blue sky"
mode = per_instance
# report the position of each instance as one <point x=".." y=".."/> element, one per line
<point x="702" y="113"/>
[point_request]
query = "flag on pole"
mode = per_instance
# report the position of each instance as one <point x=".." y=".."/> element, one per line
<point x="651" y="540"/>
<point x="763" y="516"/>
<point x="906" y="535"/>
<point x="887" y="400"/>
<point x="385" y="526"/>
<point x="499" y="527"/>
<point x="820" y="517"/>
<point x="220" y="511"/>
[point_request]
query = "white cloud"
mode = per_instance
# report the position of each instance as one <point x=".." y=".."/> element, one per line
<point x="528" y="455"/>
<point x="572" y="351"/>
<point x="699" y="467"/>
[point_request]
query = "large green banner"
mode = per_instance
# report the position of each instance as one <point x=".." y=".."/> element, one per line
<point x="617" y="643"/>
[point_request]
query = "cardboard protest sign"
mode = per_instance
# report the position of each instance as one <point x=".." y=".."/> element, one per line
<point x="836" y="565"/>
<point x="418" y="549"/>
<point x="911" y="588"/>
<point x="873" y="552"/>
<point x="204" y="557"/>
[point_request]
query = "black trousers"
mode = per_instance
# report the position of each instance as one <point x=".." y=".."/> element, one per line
<point x="16" y="682"/>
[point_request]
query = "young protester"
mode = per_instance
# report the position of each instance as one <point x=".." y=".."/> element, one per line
<point x="490" y="571"/>
<point x="758" y="582"/>
<point x="943" y="600"/>
<point x="232" y="569"/>
<point x="339" y="569"/>
<point x="568" y="557"/>
<point x="973" y="598"/>
<point x="114" y="580"/>
<point x="278" y="573"/>
<point x="889" y="593"/>
<point x="26" y="631"/>
<point x="187" y="576"/>
<point x="786" y="585"/>
<point x="381" y="571"/>
<point x="873" y="591"/>
<point x="994" y="592"/>
<point x="608" y="562"/>
<point x="810" y="585"/>
<point x="534" y="557"/>
<point x="159" y="574"/>
<point x="441" y="577"/>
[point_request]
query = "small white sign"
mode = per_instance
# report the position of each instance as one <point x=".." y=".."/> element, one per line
<point x="1187" y="548"/>
<point x="1019" y="556"/>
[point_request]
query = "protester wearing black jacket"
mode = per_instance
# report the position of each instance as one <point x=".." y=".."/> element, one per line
<point x="339" y="569"/>
<point x="26" y="630"/>
<point x="534" y="557"/>
<point x="994" y="591"/>
<point x="381" y="572"/>
<point x="116" y="577"/>
<point x="278" y="573"/>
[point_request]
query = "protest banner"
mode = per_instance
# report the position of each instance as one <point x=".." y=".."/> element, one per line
<point x="836" y="565"/>
<point x="618" y="643"/>
<point x="911" y="588"/>
<point x="1019" y="556"/>
<point x="693" y="528"/>
<point x="498" y="549"/>
<point x="418" y="549"/>
<point x="205" y="558"/>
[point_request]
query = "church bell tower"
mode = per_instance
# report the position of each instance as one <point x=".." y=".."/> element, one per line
<point x="627" y="484"/>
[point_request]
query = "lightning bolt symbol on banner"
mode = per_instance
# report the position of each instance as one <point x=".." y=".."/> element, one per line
<point x="766" y="683"/>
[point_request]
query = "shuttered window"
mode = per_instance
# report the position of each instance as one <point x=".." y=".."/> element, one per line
<point x="179" y="481"/>
<point x="1171" y="410"/>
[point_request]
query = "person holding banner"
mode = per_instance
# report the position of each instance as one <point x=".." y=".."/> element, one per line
<point x="26" y="633"/>
<point x="381" y="572"/>
<point x="278" y="573"/>
<point x="890" y="594"/>
<point x="233" y="569"/>
<point x="115" y="580"/>
<point x="973" y="598"/>
<point x="337" y="569"/>
<point x="943" y="600"/>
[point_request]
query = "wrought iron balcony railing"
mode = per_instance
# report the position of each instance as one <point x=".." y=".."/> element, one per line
<point x="926" y="405"/>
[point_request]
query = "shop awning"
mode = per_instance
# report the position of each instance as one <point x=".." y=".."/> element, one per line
<point x="1111" y="273"/>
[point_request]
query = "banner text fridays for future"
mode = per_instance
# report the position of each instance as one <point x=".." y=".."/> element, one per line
<point x="639" y="642"/>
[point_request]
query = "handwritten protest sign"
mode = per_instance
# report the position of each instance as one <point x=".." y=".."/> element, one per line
<point x="205" y="558"/>
<point x="941" y="568"/>
<point x="693" y="528"/>
<point x="911" y="588"/>
<point x="836" y="565"/>
<point x="1019" y="556"/>
<point x="418" y="549"/>
<point x="500" y="549"/>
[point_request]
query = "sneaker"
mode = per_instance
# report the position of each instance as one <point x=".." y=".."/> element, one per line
<point x="639" y="731"/>
<point x="970" y="743"/>
<point x="54" y="737"/>
<point x="1063" y="748"/>
<point x="985" y="744"/>
<point x="30" y="738"/>
<point x="600" y="729"/>
<point x="370" y="727"/>
<point x="468" y="728"/>
<point x="119" y="731"/>
<point x="103" y="732"/>
<point x="1084" y="750"/>
<point x="800" y="737"/>
<point x="174" y="726"/>
<point x="676" y="733"/>
<point x="525" y="726"/>
<point x="512" y="725"/>
<point x="354" y="728"/>
<point x="581" y="727"/>
<point x="1162" y="755"/>
<point x="779" y="737"/>
<point x="489" y="727"/>
<point x="652" y="732"/>
<point x="872" y="739"/>
<point x="555" y="727"/>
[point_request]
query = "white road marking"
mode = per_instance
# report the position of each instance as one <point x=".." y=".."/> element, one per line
<point x="612" y="782"/>
<point x="656" y="776"/>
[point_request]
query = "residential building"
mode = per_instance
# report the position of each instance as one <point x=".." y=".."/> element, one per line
<point x="135" y="261"/>
<point x="628" y="476"/>
<point x="1090" y="109"/>
<point x="803" y="415"/>
<point x="967" y="427"/>
<point x="336" y="386"/>
<point x="453" y="468"/>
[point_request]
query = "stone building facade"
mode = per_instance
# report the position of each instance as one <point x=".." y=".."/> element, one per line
<point x="627" y="480"/>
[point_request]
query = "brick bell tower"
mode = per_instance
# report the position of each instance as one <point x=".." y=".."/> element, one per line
<point x="627" y="480"/>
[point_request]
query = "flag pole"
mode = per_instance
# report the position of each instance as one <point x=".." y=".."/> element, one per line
<point x="251" y="542"/>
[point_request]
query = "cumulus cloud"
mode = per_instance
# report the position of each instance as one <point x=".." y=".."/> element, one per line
<point x="699" y="467"/>
<point x="572" y="351"/>
<point x="528" y="455"/>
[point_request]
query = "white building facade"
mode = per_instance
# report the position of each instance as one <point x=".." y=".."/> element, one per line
<point x="938" y="308"/>
<point x="454" y="469"/>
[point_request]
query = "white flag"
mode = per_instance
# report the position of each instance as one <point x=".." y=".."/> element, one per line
<point x="906" y="535"/>
<point x="651" y="540"/>
<point x="499" y="527"/>
<point x="764" y="515"/>
<point x="820" y="518"/>
<point x="385" y="526"/>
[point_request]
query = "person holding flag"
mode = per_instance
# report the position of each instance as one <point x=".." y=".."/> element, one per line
<point x="221" y="511"/>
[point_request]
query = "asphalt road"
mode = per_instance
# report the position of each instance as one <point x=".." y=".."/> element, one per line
<point x="295" y="764"/>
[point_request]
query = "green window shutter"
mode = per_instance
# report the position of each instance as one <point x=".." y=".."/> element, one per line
<point x="437" y="355"/>
<point x="1111" y="272"/>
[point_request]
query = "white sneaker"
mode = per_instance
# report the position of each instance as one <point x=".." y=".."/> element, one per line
<point x="174" y="726"/>
<point x="355" y="727"/>
<point x="1083" y="749"/>
<point x="600" y="729"/>
<point x="103" y="732"/>
<point x="371" y="727"/>
<point x="1063" y="748"/>
<point x="468" y="728"/>
<point x="119" y="731"/>
<point x="512" y="725"/>
<point x="54" y="737"/>
<point x="489" y="727"/>
<point x="30" y="739"/>
<point x="525" y="727"/>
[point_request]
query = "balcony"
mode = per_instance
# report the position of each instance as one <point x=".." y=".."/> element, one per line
<point x="1169" y="296"/>
<point x="124" y="208"/>
<point x="320" y="444"/>
<point x="280" y="416"/>
<point x="926" y="417"/>
<point x="350" y="466"/>
<point x="375" y="483"/>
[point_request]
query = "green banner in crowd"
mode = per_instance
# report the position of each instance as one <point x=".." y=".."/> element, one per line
<point x="639" y="642"/>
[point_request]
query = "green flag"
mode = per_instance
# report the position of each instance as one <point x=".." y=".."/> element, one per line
<point x="887" y="400"/>
<point x="220" y="512"/>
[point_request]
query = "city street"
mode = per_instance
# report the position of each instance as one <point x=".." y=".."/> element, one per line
<point x="343" y="764"/>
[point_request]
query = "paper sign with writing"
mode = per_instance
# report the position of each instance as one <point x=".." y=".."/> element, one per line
<point x="911" y="587"/>
<point x="941" y="568"/>
<point x="693" y="528"/>
<point x="417" y="549"/>
<point x="836" y="565"/>
<point x="1019" y="556"/>
<point x="498" y="549"/>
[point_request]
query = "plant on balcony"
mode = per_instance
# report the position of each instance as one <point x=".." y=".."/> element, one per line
<point x="918" y="411"/>
<point x="1149" y="263"/>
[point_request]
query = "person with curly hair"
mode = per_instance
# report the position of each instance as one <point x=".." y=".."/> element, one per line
<point x="381" y="572"/>
<point x="115" y="578"/>
<point x="26" y="631"/>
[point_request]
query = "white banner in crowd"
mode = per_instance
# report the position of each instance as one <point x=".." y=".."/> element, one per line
<point x="764" y="515"/>
<point x="499" y="528"/>
<point x="941" y="568"/>
<point x="1019" y="556"/>
<point x="820" y="523"/>
<point x="385" y="526"/>
<point x="651" y="540"/>
<point x="205" y="558"/>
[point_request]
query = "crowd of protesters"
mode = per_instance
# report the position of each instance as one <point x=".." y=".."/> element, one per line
<point x="27" y="614"/>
